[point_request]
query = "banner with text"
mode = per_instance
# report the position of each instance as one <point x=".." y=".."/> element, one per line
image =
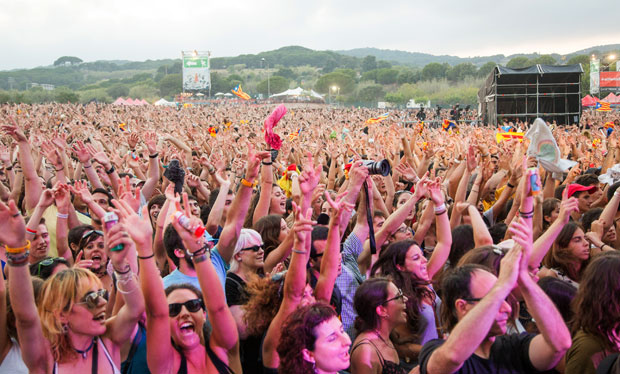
<point x="595" y="67"/>
<point x="610" y="79"/>
<point x="196" y="73"/>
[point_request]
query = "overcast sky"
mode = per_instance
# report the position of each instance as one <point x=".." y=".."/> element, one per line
<point x="36" y="32"/>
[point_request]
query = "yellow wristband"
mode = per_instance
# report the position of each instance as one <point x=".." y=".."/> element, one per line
<point x="18" y="249"/>
<point x="247" y="183"/>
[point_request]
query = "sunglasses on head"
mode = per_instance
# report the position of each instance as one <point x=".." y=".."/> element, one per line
<point x="192" y="306"/>
<point x="88" y="233"/>
<point x="50" y="261"/>
<point x="92" y="299"/>
<point x="255" y="248"/>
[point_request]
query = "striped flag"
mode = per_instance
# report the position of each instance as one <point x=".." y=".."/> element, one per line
<point x="447" y="125"/>
<point x="602" y="106"/>
<point x="294" y="135"/>
<point x="379" y="119"/>
<point x="123" y="127"/>
<point x="500" y="136"/>
<point x="239" y="92"/>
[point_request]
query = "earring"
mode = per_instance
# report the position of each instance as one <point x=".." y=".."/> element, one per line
<point x="314" y="367"/>
<point x="65" y="328"/>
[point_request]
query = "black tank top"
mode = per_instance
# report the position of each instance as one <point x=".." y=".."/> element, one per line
<point x="389" y="367"/>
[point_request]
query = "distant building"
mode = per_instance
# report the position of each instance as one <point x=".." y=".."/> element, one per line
<point x="46" y="87"/>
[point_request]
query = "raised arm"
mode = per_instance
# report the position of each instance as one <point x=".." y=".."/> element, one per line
<point x="217" y="210"/>
<point x="62" y="196"/>
<point x="224" y="337"/>
<point x="474" y="327"/>
<point x="444" y="234"/>
<point x="294" y="285"/>
<point x="80" y="151"/>
<point x="266" y="185"/>
<point x="331" y="257"/>
<point x="239" y="207"/>
<point x="545" y="241"/>
<point x="35" y="348"/>
<point x="159" y="348"/>
<point x="548" y="347"/>
<point x="31" y="179"/>
<point x="152" y="180"/>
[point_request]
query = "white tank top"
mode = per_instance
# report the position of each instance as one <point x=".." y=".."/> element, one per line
<point x="13" y="362"/>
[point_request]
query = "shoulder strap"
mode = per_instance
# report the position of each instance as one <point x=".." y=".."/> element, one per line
<point x="107" y="355"/>
<point x="132" y="351"/>
<point x="220" y="365"/>
<point x="368" y="341"/>
<point x="95" y="362"/>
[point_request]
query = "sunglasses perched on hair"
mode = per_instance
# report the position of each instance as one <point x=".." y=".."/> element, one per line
<point x="50" y="261"/>
<point x="192" y="306"/>
<point x="88" y="233"/>
<point x="255" y="248"/>
<point x="93" y="298"/>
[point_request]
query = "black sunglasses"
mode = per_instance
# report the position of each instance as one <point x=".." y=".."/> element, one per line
<point x="92" y="299"/>
<point x="255" y="248"/>
<point x="399" y="295"/>
<point x="192" y="306"/>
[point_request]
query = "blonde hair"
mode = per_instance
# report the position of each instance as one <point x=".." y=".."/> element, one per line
<point x="245" y="236"/>
<point x="59" y="293"/>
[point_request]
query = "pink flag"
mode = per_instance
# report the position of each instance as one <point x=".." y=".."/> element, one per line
<point x="272" y="138"/>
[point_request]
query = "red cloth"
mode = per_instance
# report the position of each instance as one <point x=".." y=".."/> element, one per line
<point x="272" y="138"/>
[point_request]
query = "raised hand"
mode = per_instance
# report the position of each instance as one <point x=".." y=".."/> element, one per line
<point x="46" y="199"/>
<point x="193" y="181"/>
<point x="150" y="140"/>
<point x="138" y="228"/>
<point x="407" y="172"/>
<point x="80" y="151"/>
<point x="126" y="194"/>
<point x="5" y="155"/>
<point x="132" y="140"/>
<point x="567" y="207"/>
<point x="14" y="131"/>
<point x="82" y="263"/>
<point x="435" y="193"/>
<point x="99" y="156"/>
<point x="114" y="236"/>
<point x="80" y="188"/>
<point x="12" y="225"/>
<point x="62" y="196"/>
<point x="253" y="163"/>
<point x="311" y="175"/>
<point x="303" y="225"/>
<point x="471" y="159"/>
<point x="521" y="231"/>
<point x="339" y="205"/>
<point x="51" y="153"/>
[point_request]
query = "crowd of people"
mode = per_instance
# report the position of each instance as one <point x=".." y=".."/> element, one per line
<point x="165" y="240"/>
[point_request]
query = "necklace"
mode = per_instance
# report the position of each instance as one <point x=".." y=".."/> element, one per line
<point x="85" y="352"/>
<point x="383" y="340"/>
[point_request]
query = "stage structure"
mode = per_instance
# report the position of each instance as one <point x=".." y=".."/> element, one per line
<point x="196" y="71"/>
<point x="549" y="92"/>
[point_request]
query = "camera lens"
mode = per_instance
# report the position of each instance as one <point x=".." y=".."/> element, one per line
<point x="378" y="167"/>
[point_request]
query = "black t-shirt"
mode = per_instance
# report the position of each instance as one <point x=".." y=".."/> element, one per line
<point x="235" y="290"/>
<point x="509" y="354"/>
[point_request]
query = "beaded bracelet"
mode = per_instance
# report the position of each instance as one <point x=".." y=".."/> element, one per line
<point x="17" y="259"/>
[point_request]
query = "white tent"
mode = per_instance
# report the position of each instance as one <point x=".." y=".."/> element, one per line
<point x="299" y="92"/>
<point x="164" y="102"/>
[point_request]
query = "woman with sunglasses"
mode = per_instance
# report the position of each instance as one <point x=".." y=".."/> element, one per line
<point x="380" y="307"/>
<point x="245" y="266"/>
<point x="405" y="264"/>
<point x="69" y="332"/>
<point x="174" y="319"/>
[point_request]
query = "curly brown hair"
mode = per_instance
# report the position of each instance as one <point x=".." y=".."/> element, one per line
<point x="597" y="304"/>
<point x="264" y="298"/>
<point x="298" y="334"/>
